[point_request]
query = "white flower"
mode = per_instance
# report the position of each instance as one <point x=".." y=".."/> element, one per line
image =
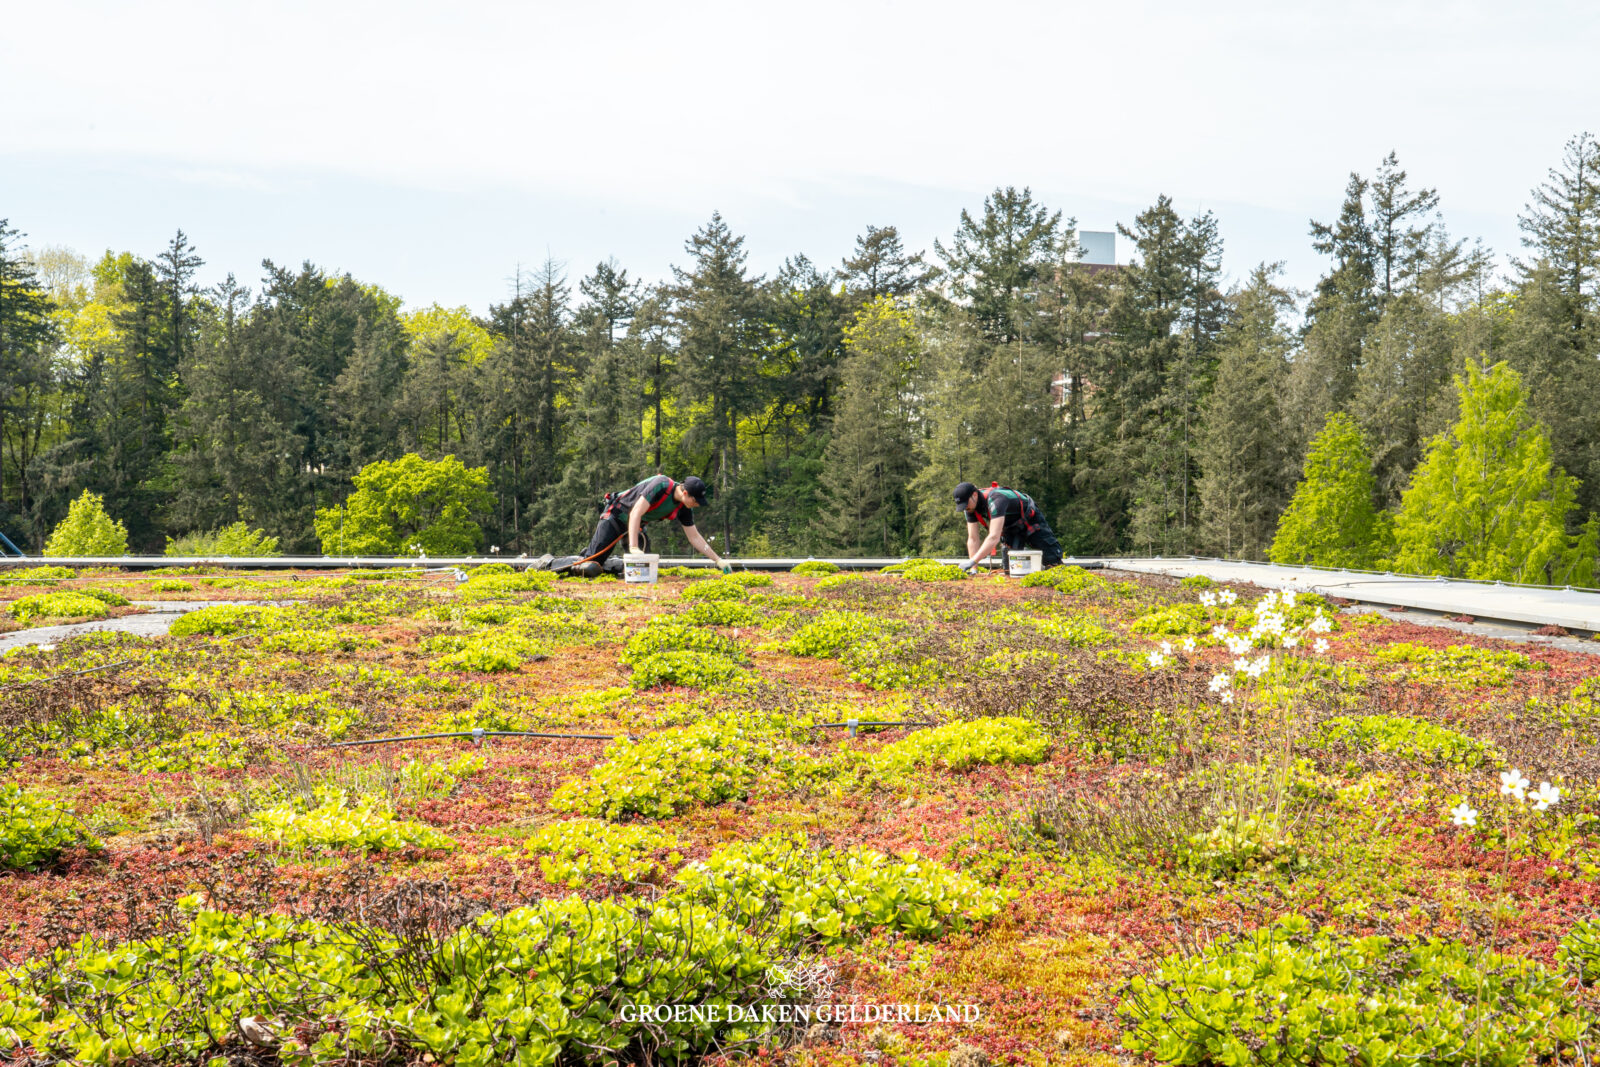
<point x="1320" y="625"/>
<point x="1188" y="644"/>
<point x="1208" y="599"/>
<point x="1219" y="631"/>
<point x="1241" y="665"/>
<point x="1291" y="642"/>
<point x="1227" y="697"/>
<point x="1320" y="647"/>
<point x="1157" y="659"/>
<point x="1464" y="815"/>
<point x="1513" y="784"/>
<point x="1239" y="645"/>
<point x="47" y="648"/>
<point x="1287" y="596"/>
<point x="1219" y="682"/>
<point x="1166" y="648"/>
<point x="1259" y="666"/>
<point x="1228" y="596"/>
<point x="1547" y="796"/>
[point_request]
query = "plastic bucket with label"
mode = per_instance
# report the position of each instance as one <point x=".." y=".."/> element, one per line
<point x="640" y="567"/>
<point x="1026" y="562"/>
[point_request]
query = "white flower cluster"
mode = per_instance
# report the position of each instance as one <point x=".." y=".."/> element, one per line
<point x="1512" y="784"/>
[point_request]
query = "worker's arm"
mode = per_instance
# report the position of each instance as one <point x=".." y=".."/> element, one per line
<point x="635" y="521"/>
<point x="974" y="538"/>
<point x="698" y="543"/>
<point x="996" y="529"/>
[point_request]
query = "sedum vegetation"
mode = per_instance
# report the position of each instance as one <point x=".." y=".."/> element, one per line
<point x="1115" y="817"/>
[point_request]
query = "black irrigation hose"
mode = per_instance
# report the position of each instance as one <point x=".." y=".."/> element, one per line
<point x="478" y="735"/>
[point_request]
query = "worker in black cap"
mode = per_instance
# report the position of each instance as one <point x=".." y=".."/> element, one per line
<point x="624" y="514"/>
<point x="1008" y="516"/>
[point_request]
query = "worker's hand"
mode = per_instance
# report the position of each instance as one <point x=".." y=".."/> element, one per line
<point x="724" y="566"/>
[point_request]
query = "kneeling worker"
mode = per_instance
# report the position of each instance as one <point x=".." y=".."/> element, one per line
<point x="1008" y="516"/>
<point x="622" y="514"/>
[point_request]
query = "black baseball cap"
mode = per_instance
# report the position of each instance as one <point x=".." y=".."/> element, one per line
<point x="696" y="488"/>
<point x="964" y="491"/>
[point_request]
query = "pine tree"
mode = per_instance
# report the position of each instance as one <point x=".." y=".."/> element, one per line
<point x="881" y="267"/>
<point x="28" y="335"/>
<point x="234" y="447"/>
<point x="1243" y="448"/>
<point x="869" y="459"/>
<point x="720" y="332"/>
<point x="1558" y="366"/>
<point x="1331" y="520"/>
<point x="1404" y="375"/>
<point x="992" y="262"/>
<point x="1165" y="317"/>
<point x="1562" y="225"/>
<point x="1488" y="502"/>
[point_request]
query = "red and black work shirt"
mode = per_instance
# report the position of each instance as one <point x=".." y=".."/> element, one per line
<point x="1015" y="510"/>
<point x="658" y="490"/>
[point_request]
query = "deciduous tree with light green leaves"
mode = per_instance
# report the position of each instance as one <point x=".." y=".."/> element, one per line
<point x="408" y="504"/>
<point x="1487" y="501"/>
<point x="88" y="530"/>
<point x="1331" y="520"/>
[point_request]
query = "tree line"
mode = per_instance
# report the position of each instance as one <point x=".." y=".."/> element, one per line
<point x="831" y="408"/>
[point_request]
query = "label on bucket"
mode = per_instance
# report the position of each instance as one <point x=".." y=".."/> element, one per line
<point x="640" y="568"/>
<point x="1025" y="563"/>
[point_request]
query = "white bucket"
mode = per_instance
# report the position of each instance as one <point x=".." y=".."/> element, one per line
<point x="1026" y="562"/>
<point x="640" y="567"/>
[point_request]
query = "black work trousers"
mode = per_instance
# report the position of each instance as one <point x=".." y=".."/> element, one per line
<point x="611" y="532"/>
<point x="1041" y="539"/>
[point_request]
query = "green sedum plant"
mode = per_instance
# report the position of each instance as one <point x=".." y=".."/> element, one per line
<point x="1579" y="951"/>
<point x="716" y="589"/>
<point x="1457" y="666"/>
<point x="958" y="746"/>
<point x="62" y="605"/>
<point x="836" y="897"/>
<point x="222" y="620"/>
<point x="576" y="852"/>
<point x="721" y="613"/>
<point x="1415" y="739"/>
<point x="335" y="824"/>
<point x="33" y="831"/>
<point x="1066" y="579"/>
<point x="708" y="762"/>
<point x="814" y="568"/>
<point x="831" y="632"/>
<point x="35" y="575"/>
<point x="930" y="571"/>
<point x="1303" y="993"/>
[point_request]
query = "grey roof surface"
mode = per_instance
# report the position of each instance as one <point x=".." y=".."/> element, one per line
<point x="1572" y="609"/>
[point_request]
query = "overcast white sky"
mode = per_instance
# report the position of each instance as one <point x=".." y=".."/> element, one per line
<point x="431" y="147"/>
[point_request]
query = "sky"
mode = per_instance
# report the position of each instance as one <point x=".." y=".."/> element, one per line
<point x="433" y="149"/>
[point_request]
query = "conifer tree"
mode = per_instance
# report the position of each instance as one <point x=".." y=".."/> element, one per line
<point x="869" y="459"/>
<point x="1331" y="520"/>
<point x="881" y="266"/>
<point x="717" y="314"/>
<point x="992" y="261"/>
<point x="1562" y="225"/>
<point x="1488" y="502"/>
<point x="1242" y="449"/>
<point x="1405" y="373"/>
